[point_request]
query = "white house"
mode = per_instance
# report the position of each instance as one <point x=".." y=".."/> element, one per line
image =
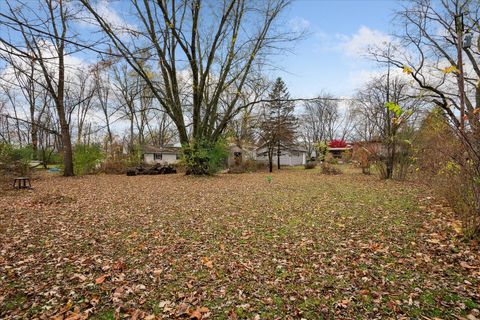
<point x="163" y="155"/>
<point x="289" y="155"/>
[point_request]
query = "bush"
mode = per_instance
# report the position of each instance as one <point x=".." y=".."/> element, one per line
<point x="114" y="166"/>
<point x="363" y="158"/>
<point x="443" y="163"/>
<point x="330" y="169"/>
<point x="320" y="150"/>
<point x="86" y="158"/>
<point x="310" y="165"/>
<point x="248" y="165"/>
<point x="49" y="156"/>
<point x="347" y="156"/>
<point x="329" y="158"/>
<point x="16" y="160"/>
<point x="204" y="158"/>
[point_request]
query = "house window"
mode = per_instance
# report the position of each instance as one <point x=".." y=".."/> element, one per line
<point x="296" y="154"/>
<point x="157" y="156"/>
<point x="178" y="156"/>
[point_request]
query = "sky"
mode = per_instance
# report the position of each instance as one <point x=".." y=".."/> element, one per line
<point x="332" y="57"/>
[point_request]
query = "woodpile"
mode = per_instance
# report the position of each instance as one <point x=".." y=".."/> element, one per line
<point x="154" y="170"/>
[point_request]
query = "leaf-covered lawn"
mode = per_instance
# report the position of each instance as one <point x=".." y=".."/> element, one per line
<point x="304" y="245"/>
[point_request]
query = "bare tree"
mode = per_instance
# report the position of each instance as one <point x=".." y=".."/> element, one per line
<point x="80" y="95"/>
<point x="429" y="56"/>
<point x="104" y="97"/>
<point x="321" y="121"/>
<point x="44" y="31"/>
<point x="127" y="89"/>
<point x="201" y="52"/>
<point x="431" y="49"/>
<point x="243" y="127"/>
<point x="375" y="119"/>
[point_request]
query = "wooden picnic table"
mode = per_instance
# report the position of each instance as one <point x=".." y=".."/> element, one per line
<point x="21" y="183"/>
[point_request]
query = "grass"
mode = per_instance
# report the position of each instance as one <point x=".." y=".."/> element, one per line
<point x="298" y="245"/>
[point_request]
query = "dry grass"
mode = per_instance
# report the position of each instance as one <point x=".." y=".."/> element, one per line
<point x="303" y="245"/>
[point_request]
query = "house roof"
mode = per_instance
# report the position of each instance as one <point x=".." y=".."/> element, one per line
<point x="339" y="149"/>
<point x="289" y="148"/>
<point x="155" y="149"/>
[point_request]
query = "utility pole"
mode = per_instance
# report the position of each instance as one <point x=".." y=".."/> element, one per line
<point x="461" y="79"/>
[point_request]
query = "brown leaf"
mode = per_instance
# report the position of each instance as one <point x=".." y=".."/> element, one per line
<point x="119" y="265"/>
<point x="195" y="315"/>
<point x="465" y="265"/>
<point x="102" y="278"/>
<point x="207" y="262"/>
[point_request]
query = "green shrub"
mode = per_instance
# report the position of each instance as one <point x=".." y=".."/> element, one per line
<point x="321" y="149"/>
<point x="49" y="156"/>
<point x="204" y="158"/>
<point x="23" y="153"/>
<point x="15" y="159"/>
<point x="86" y="158"/>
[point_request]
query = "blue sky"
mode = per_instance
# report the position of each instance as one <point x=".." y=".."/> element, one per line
<point x="331" y="57"/>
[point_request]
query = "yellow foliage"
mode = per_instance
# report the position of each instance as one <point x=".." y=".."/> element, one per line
<point x="407" y="70"/>
<point x="450" y="69"/>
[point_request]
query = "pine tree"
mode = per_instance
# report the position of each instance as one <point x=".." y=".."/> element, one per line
<point x="278" y="124"/>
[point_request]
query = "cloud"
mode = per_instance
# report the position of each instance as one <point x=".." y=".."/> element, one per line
<point x="357" y="45"/>
<point x="299" y="24"/>
<point x="105" y="9"/>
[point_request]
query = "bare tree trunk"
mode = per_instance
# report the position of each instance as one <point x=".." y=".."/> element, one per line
<point x="66" y="140"/>
<point x="278" y="155"/>
<point x="270" y="162"/>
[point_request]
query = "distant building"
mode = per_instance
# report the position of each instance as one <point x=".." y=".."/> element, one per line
<point x="338" y="152"/>
<point x="163" y="155"/>
<point x="289" y="155"/>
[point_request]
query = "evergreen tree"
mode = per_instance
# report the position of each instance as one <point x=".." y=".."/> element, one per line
<point x="277" y="128"/>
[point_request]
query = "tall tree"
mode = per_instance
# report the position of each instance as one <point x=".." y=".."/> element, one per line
<point x="44" y="29"/>
<point x="205" y="54"/>
<point x="278" y="124"/>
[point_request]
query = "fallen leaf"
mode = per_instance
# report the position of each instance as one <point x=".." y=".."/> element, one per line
<point x="102" y="278"/>
<point x="207" y="262"/>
